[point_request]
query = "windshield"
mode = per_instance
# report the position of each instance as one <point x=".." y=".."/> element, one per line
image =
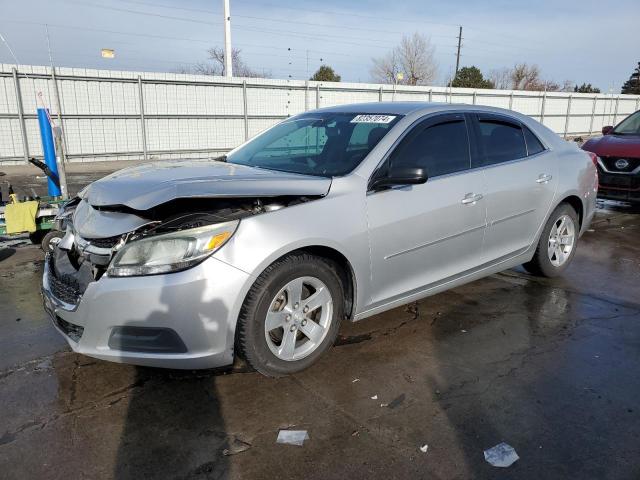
<point x="629" y="126"/>
<point x="323" y="144"/>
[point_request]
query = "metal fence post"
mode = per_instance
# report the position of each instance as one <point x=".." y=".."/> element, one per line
<point x="593" y="114"/>
<point x="544" y="103"/>
<point x="615" y="110"/>
<point x="475" y="94"/>
<point x="246" y="114"/>
<point x="142" y="120"/>
<point x="430" y="94"/>
<point x="23" y="127"/>
<point x="54" y="79"/>
<point x="318" y="96"/>
<point x="380" y="95"/>
<point x="511" y="101"/>
<point x="306" y="95"/>
<point x="566" y="122"/>
<point x="638" y="103"/>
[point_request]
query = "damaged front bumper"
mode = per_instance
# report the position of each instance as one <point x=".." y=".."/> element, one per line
<point x="180" y="320"/>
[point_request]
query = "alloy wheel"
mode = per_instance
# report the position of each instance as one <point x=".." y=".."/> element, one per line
<point x="298" y="319"/>
<point x="561" y="240"/>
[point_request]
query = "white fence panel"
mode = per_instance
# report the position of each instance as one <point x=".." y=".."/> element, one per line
<point x="136" y="115"/>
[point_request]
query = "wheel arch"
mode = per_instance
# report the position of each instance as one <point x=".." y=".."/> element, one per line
<point x="576" y="203"/>
<point x="346" y="272"/>
<point x="346" y="269"/>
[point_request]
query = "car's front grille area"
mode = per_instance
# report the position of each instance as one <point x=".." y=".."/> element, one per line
<point x="630" y="182"/>
<point x="631" y="164"/>
<point x="74" y="332"/>
<point x="63" y="287"/>
<point x="109" y="242"/>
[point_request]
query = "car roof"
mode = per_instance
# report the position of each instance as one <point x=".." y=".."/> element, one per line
<point x="418" y="109"/>
<point x="405" y="108"/>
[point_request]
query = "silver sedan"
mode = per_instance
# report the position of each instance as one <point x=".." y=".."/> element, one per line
<point x="333" y="214"/>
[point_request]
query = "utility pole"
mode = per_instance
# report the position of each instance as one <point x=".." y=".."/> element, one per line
<point x="459" y="45"/>
<point x="228" y="68"/>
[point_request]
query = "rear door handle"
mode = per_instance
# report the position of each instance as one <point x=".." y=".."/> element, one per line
<point x="544" y="178"/>
<point x="471" y="198"/>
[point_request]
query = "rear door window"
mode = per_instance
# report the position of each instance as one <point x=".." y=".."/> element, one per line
<point x="500" y="140"/>
<point x="440" y="147"/>
<point x="534" y="146"/>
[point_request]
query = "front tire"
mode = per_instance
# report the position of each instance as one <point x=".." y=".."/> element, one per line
<point x="557" y="244"/>
<point x="291" y="315"/>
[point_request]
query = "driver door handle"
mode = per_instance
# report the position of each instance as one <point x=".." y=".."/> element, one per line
<point x="471" y="198"/>
<point x="544" y="178"/>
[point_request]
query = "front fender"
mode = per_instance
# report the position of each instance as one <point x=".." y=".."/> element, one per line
<point x="337" y="221"/>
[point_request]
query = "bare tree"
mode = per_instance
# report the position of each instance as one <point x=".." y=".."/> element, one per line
<point x="526" y="77"/>
<point x="567" y="86"/>
<point x="413" y="58"/>
<point x="215" y="66"/>
<point x="385" y="69"/>
<point x="501" y="78"/>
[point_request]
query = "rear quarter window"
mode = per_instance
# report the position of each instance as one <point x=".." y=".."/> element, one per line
<point x="534" y="146"/>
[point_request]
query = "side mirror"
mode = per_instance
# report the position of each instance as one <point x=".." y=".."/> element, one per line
<point x="401" y="176"/>
<point x="607" y="130"/>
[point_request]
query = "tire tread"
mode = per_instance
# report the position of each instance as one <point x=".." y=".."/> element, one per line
<point x="253" y="298"/>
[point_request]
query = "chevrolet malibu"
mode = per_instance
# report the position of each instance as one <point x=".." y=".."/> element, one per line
<point x="333" y="214"/>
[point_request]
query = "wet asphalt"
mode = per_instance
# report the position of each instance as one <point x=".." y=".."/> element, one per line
<point x="550" y="366"/>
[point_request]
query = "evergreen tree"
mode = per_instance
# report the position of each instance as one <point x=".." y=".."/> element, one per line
<point x="325" y="74"/>
<point x="632" y="86"/>
<point x="471" y="77"/>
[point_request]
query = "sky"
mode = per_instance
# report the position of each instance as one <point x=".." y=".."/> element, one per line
<point x="579" y="41"/>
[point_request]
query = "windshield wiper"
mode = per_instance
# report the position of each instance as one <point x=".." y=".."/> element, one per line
<point x="221" y="158"/>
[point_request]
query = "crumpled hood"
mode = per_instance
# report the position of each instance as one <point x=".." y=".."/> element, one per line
<point x="614" y="146"/>
<point x="145" y="186"/>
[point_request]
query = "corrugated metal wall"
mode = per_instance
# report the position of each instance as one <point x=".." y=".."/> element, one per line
<point x="132" y="115"/>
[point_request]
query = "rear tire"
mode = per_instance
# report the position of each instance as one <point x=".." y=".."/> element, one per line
<point x="37" y="236"/>
<point x="291" y="315"/>
<point x="557" y="244"/>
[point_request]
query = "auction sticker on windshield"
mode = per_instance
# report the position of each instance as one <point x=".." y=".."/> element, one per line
<point x="373" y="119"/>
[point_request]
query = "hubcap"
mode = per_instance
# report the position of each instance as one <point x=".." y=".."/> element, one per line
<point x="561" y="240"/>
<point x="53" y="242"/>
<point x="299" y="318"/>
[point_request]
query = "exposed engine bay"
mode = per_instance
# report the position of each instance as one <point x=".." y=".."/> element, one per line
<point x="95" y="234"/>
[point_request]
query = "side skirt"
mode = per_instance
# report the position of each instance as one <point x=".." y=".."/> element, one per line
<point x="517" y="258"/>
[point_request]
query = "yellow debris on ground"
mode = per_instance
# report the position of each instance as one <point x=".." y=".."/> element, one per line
<point x="21" y="217"/>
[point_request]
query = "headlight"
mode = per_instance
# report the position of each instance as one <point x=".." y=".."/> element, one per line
<point x="170" y="252"/>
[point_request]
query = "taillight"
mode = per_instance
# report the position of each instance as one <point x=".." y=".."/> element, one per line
<point x="594" y="159"/>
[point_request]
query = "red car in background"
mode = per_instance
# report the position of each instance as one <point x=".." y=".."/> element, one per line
<point x="618" y="162"/>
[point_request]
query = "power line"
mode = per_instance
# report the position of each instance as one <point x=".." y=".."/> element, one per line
<point x="165" y="37"/>
<point x="277" y="20"/>
<point x="208" y="42"/>
<point x="329" y="37"/>
<point x="137" y="12"/>
<point x="172" y="7"/>
<point x="348" y="14"/>
<point x="325" y="25"/>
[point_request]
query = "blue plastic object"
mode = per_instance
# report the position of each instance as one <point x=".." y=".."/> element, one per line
<point x="49" y="149"/>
